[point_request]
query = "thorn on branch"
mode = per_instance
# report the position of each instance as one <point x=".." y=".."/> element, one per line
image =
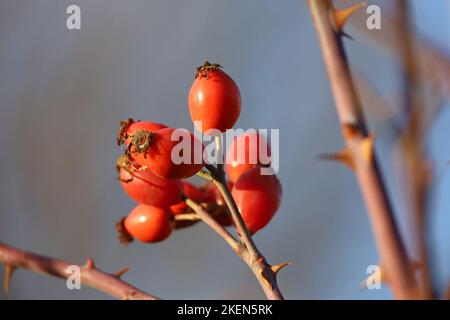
<point x="341" y="16"/>
<point x="342" y="156"/>
<point x="89" y="264"/>
<point x="121" y="272"/>
<point x="9" y="270"/>
<point x="346" y="35"/>
<point x="276" y="268"/>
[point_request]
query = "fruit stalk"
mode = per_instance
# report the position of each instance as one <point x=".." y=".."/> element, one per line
<point x="392" y="252"/>
<point x="110" y="284"/>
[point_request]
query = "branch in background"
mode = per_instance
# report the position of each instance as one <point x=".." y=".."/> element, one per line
<point x="359" y="145"/>
<point x="110" y="284"/>
<point x="413" y="157"/>
<point x="436" y="70"/>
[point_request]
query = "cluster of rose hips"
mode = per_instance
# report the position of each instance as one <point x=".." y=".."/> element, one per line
<point x="150" y="177"/>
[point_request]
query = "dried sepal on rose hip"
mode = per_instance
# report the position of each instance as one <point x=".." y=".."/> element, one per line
<point x="258" y="198"/>
<point x="246" y="151"/>
<point x="129" y="127"/>
<point x="147" y="224"/>
<point x="154" y="150"/>
<point x="214" y="99"/>
<point x="150" y="145"/>
<point x="145" y="187"/>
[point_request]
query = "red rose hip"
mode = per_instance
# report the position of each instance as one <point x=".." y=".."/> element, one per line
<point x="258" y="197"/>
<point x="214" y="99"/>
<point x="147" y="188"/>
<point x="246" y="151"/>
<point x="149" y="224"/>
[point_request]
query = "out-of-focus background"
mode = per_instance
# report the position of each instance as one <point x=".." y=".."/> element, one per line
<point x="63" y="92"/>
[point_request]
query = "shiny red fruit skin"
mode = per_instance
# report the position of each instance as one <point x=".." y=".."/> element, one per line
<point x="258" y="197"/>
<point x="149" y="224"/>
<point x="158" y="158"/>
<point x="147" y="188"/>
<point x="214" y="100"/>
<point x="251" y="144"/>
<point x="190" y="191"/>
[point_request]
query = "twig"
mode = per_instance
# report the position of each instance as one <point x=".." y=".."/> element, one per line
<point x="264" y="272"/>
<point x="414" y="159"/>
<point x="110" y="284"/>
<point x="360" y="147"/>
<point x="213" y="224"/>
<point x="221" y="184"/>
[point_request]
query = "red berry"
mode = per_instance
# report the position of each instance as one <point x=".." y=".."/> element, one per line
<point x="214" y="99"/>
<point x="193" y="193"/>
<point x="244" y="154"/>
<point x="153" y="149"/>
<point x="147" y="188"/>
<point x="149" y="224"/>
<point x="257" y="197"/>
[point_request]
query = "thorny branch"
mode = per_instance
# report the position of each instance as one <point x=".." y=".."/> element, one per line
<point x="245" y="248"/>
<point x="91" y="276"/>
<point x="359" y="148"/>
<point x="412" y="140"/>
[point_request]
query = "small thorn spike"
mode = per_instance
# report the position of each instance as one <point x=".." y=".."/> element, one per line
<point x="276" y="268"/>
<point x="343" y="157"/>
<point x="9" y="270"/>
<point x="90" y="264"/>
<point x="341" y="16"/>
<point x="121" y="272"/>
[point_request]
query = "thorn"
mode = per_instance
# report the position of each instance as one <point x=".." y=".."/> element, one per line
<point x="9" y="270"/>
<point x="276" y="268"/>
<point x="367" y="148"/>
<point x="121" y="272"/>
<point x="343" y="157"/>
<point x="341" y="16"/>
<point x="346" y="35"/>
<point x="89" y="264"/>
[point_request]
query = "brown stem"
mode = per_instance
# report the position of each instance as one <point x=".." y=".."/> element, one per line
<point x="221" y="184"/>
<point x="90" y="276"/>
<point x="264" y="272"/>
<point x="392" y="252"/>
<point x="414" y="159"/>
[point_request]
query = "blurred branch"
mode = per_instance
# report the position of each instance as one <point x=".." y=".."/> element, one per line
<point x="436" y="70"/>
<point x="360" y="148"/>
<point x="110" y="284"/>
<point x="414" y="160"/>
